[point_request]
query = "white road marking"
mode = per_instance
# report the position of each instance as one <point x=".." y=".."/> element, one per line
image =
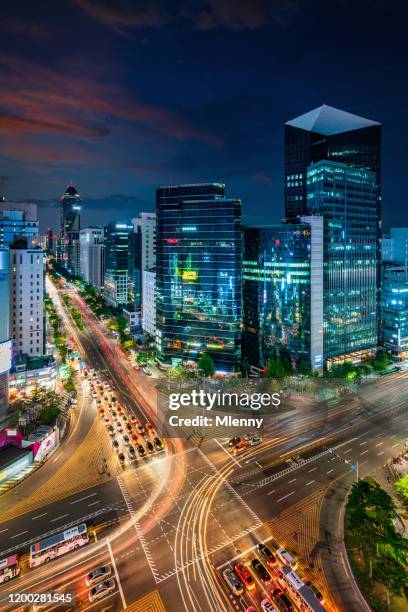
<point x="309" y="483"/>
<point x="115" y="569"/>
<point x="378" y="454"/>
<point x="284" y="497"/>
<point x="3" y="530"/>
<point x="39" y="516"/>
<point x="380" y="443"/>
<point x="76" y="501"/>
<point x="293" y="480"/>
<point x="58" y="518"/>
<point x="332" y="470"/>
<point x="364" y="452"/>
<point x="227" y="453"/>
<point x="18" y="534"/>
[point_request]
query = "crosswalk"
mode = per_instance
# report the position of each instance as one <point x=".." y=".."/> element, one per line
<point x="149" y="603"/>
<point x="11" y="482"/>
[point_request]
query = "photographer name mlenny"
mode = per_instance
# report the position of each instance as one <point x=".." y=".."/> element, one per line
<point x="218" y="421"/>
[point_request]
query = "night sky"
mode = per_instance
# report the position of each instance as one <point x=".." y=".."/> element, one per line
<point x="122" y="97"/>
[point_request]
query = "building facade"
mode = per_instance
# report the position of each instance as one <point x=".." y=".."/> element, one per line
<point x="70" y="211"/>
<point x="198" y="275"/>
<point x="149" y="303"/>
<point x="117" y="257"/>
<point x="399" y="245"/>
<point x="395" y="310"/>
<point x="346" y="197"/>
<point x="18" y="220"/>
<point x="143" y="254"/>
<point x="92" y="256"/>
<point x="283" y="293"/>
<point x="5" y="344"/>
<point x="27" y="272"/>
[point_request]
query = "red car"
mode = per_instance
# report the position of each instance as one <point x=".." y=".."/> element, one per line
<point x="244" y="575"/>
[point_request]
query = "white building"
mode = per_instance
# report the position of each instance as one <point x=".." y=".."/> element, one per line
<point x="149" y="303"/>
<point x="145" y="224"/>
<point x="92" y="256"/>
<point x="27" y="268"/>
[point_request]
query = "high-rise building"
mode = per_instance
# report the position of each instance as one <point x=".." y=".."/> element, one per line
<point x="198" y="275"/>
<point x="18" y="220"/>
<point x="5" y="344"/>
<point x="283" y="293"/>
<point x="27" y="271"/>
<point x="346" y="197"/>
<point x="92" y="256"/>
<point x="149" y="303"/>
<point x="395" y="310"/>
<point x="143" y="255"/>
<point x="387" y="249"/>
<point x="399" y="245"/>
<point x="328" y="133"/>
<point x="117" y="257"/>
<point x="71" y="206"/>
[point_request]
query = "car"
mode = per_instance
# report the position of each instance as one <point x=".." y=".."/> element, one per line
<point x="146" y="371"/>
<point x="121" y="458"/>
<point x="267" y="605"/>
<point x="115" y="445"/>
<point x="267" y="554"/>
<point x="113" y="399"/>
<point x="233" y="581"/>
<point x="286" y="558"/>
<point x="133" y="419"/>
<point x="149" y="426"/>
<point x="101" y="590"/>
<point x="106" y="419"/>
<point x="234" y="441"/>
<point x="141" y="450"/>
<point x="150" y="447"/>
<point x="129" y="427"/>
<point x="98" y="574"/>
<point x="261" y="571"/>
<point x="314" y="589"/>
<point x="244" y="576"/>
<point x="255" y="441"/>
<point x="101" y="412"/>
<point x="140" y="428"/>
<point x="126" y="440"/>
<point x="131" y="453"/>
<point x="111" y="430"/>
<point x="238" y="448"/>
<point x="282" y="601"/>
<point x="134" y="438"/>
<point x="124" y="418"/>
<point x="120" y="409"/>
<point x="157" y="443"/>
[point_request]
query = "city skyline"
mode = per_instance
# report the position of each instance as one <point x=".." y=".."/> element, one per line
<point x="133" y="131"/>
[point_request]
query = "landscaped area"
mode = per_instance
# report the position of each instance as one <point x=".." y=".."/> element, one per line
<point x="41" y="408"/>
<point x="377" y="552"/>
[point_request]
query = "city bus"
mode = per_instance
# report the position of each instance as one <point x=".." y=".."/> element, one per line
<point x="9" y="568"/>
<point x="304" y="595"/>
<point x="58" y="544"/>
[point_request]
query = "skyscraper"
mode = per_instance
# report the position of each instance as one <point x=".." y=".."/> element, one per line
<point x="117" y="256"/>
<point x="328" y="133"/>
<point x="395" y="310"/>
<point x="92" y="256"/>
<point x="346" y="197"/>
<point x="143" y="255"/>
<point x="198" y="275"/>
<point x="338" y="137"/>
<point x="5" y="344"/>
<point x="283" y="293"/>
<point x="27" y="270"/>
<point x="71" y="205"/>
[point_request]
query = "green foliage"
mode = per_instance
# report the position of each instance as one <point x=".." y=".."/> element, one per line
<point x="402" y="487"/>
<point x="206" y="365"/>
<point x="278" y="367"/>
<point x="370" y="529"/>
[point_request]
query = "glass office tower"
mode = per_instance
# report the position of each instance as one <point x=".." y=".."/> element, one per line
<point x="71" y="205"/>
<point x="198" y="275"/>
<point x="18" y="220"/>
<point x="5" y="343"/>
<point x="283" y="293"/>
<point x="395" y="310"/>
<point x="346" y="197"/>
<point x="117" y="261"/>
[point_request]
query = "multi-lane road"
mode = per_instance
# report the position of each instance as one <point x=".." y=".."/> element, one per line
<point x="173" y="522"/>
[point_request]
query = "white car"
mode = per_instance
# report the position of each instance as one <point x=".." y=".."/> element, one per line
<point x="267" y="605"/>
<point x="98" y="574"/>
<point x="286" y="558"/>
<point x="101" y="590"/>
<point x="255" y="441"/>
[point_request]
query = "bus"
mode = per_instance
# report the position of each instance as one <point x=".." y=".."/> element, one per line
<point x="58" y="544"/>
<point x="9" y="568"/>
<point x="301" y="592"/>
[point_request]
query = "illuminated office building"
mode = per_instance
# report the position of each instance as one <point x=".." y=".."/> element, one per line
<point x="18" y="220"/>
<point x="92" y="256"/>
<point x="283" y="293"/>
<point x="117" y="256"/>
<point x="346" y="197"/>
<point x="395" y="310"/>
<point x="198" y="275"/>
<point x="5" y="343"/>
<point x="70" y="210"/>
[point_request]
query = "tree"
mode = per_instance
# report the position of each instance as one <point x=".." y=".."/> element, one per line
<point x="402" y="487"/>
<point x="206" y="365"/>
<point x="246" y="366"/>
